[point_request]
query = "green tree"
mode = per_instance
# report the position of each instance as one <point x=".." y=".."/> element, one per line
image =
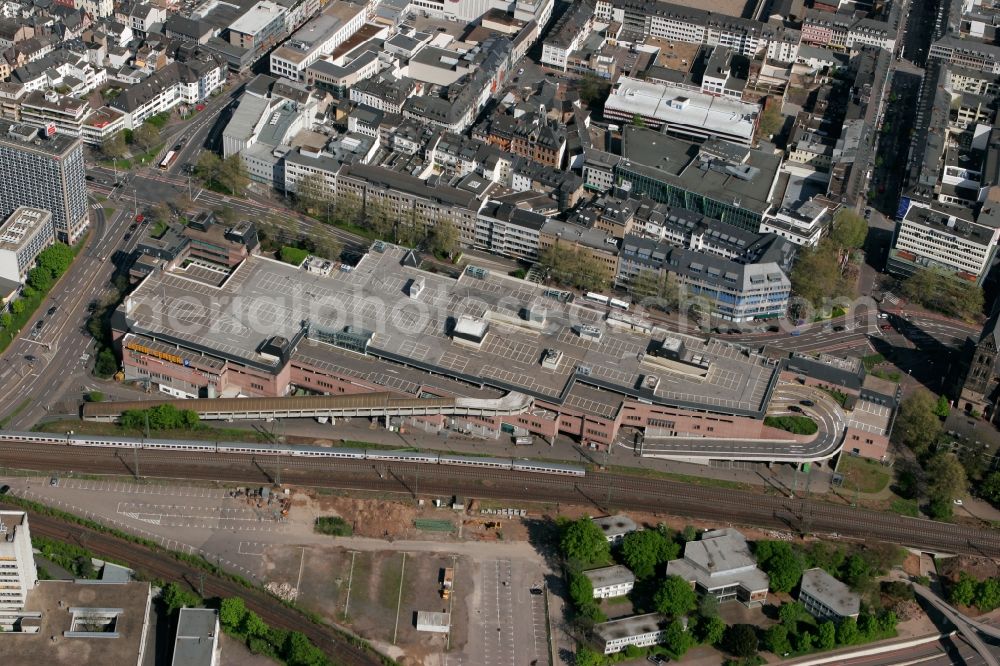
<point x="233" y="175"/>
<point x="689" y="533"/>
<point x="56" y="258"/>
<point x="988" y="595"/>
<point x="791" y="614"/>
<point x="581" y="590"/>
<point x="804" y="642"/>
<point x="782" y="563"/>
<point x="591" y="88"/>
<point x="963" y="591"/>
<point x="887" y="621"/>
<point x="231" y="612"/>
<point x="943" y="407"/>
<point x="741" y="640"/>
<point x="253" y="626"/>
<point x="17" y="306"/>
<point x="946" y="477"/>
<point x="917" y="426"/>
<point x="173" y="597"/>
<point x="939" y="508"/>
<point x="817" y="273"/>
<point x="6" y="320"/>
<point x="847" y="631"/>
<point x="677" y="639"/>
<point x="40" y="279"/>
<point x="776" y="639"/>
<point x="106" y="364"/>
<point x="208" y="168"/>
<point x="654" y="288"/>
<point x="826" y="636"/>
<point x="638" y="121"/>
<point x="989" y="488"/>
<point x="675" y="597"/>
<point x="113" y="147"/>
<point x="312" y="195"/>
<point x="298" y="651"/>
<point x="585" y="656"/>
<point x="443" y="239"/>
<point x="146" y="136"/>
<point x="95" y="396"/>
<point x="711" y="629"/>
<point x="574" y="267"/>
<point x="849" y="230"/>
<point x="644" y="550"/>
<point x="583" y="543"/>
<point x="708" y="606"/>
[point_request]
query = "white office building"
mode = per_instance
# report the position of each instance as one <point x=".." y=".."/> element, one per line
<point x="317" y="38"/>
<point x="17" y="566"/>
<point x="638" y="630"/>
<point x="23" y="236"/>
<point x="609" y="582"/>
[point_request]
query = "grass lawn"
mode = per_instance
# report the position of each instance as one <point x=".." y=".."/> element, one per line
<point x="905" y="507"/>
<point x="685" y="478"/>
<point x="866" y="475"/>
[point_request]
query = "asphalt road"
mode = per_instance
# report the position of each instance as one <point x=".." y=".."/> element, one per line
<point x="38" y="368"/>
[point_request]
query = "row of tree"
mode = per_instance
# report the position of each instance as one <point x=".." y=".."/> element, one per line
<point x="798" y="631"/>
<point x="145" y="137"/>
<point x="969" y="591"/>
<point x="942" y="292"/>
<point x="574" y="267"/>
<point x="229" y="174"/>
<point x="50" y="265"/>
<point x="918" y="426"/>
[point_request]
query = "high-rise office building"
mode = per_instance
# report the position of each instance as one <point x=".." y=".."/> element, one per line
<point x="17" y="565"/>
<point x="42" y="169"/>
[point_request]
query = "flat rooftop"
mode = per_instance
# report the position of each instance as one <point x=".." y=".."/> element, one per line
<point x="677" y="162"/>
<point x="57" y="600"/>
<point x="831" y="592"/>
<point x="22" y="225"/>
<point x="257" y="18"/>
<point x="626" y="627"/>
<point x="264" y="298"/>
<point x="678" y="106"/>
<point x="196" y="637"/>
<point x="605" y="576"/>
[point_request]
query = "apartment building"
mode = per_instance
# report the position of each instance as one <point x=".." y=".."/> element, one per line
<point x="504" y="229"/>
<point x="17" y="566"/>
<point x="638" y="630"/>
<point x="23" y="236"/>
<point x="44" y="170"/>
<point x="826" y="598"/>
<point x="566" y="36"/>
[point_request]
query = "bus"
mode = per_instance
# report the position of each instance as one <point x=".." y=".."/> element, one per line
<point x="597" y="298"/>
<point x="168" y="160"/>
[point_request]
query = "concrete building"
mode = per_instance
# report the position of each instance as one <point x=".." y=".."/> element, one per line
<point x="616" y="527"/>
<point x="608" y="582"/>
<point x="81" y="623"/>
<point x="682" y="112"/>
<point x="23" y="236"/>
<point x="17" y="567"/>
<point x="826" y="598"/>
<point x="568" y="34"/>
<point x="638" y="630"/>
<point x="259" y="28"/>
<point x="719" y="179"/>
<point x="944" y="237"/>
<point x="46" y="171"/>
<point x="234" y="353"/>
<point x="438" y="623"/>
<point x="317" y="38"/>
<point x="504" y="229"/>
<point x="720" y="564"/>
<point x="197" y="640"/>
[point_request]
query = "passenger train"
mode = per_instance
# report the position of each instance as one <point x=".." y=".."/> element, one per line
<point x="426" y="457"/>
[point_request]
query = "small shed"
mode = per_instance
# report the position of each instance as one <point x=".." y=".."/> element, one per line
<point x="435" y="622"/>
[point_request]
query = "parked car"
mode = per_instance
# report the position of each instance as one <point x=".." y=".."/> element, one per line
<point x="794" y="408"/>
<point x="52" y="310"/>
<point x="807" y="403"/>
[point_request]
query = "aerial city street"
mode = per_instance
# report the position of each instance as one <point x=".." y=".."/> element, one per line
<point x="499" y="332"/>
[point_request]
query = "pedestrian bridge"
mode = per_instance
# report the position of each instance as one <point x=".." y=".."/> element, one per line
<point x="369" y="405"/>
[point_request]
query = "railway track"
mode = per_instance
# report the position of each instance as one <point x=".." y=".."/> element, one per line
<point x="603" y="490"/>
<point x="158" y="565"/>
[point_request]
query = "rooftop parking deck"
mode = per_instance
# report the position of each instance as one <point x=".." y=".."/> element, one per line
<point x="373" y="302"/>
